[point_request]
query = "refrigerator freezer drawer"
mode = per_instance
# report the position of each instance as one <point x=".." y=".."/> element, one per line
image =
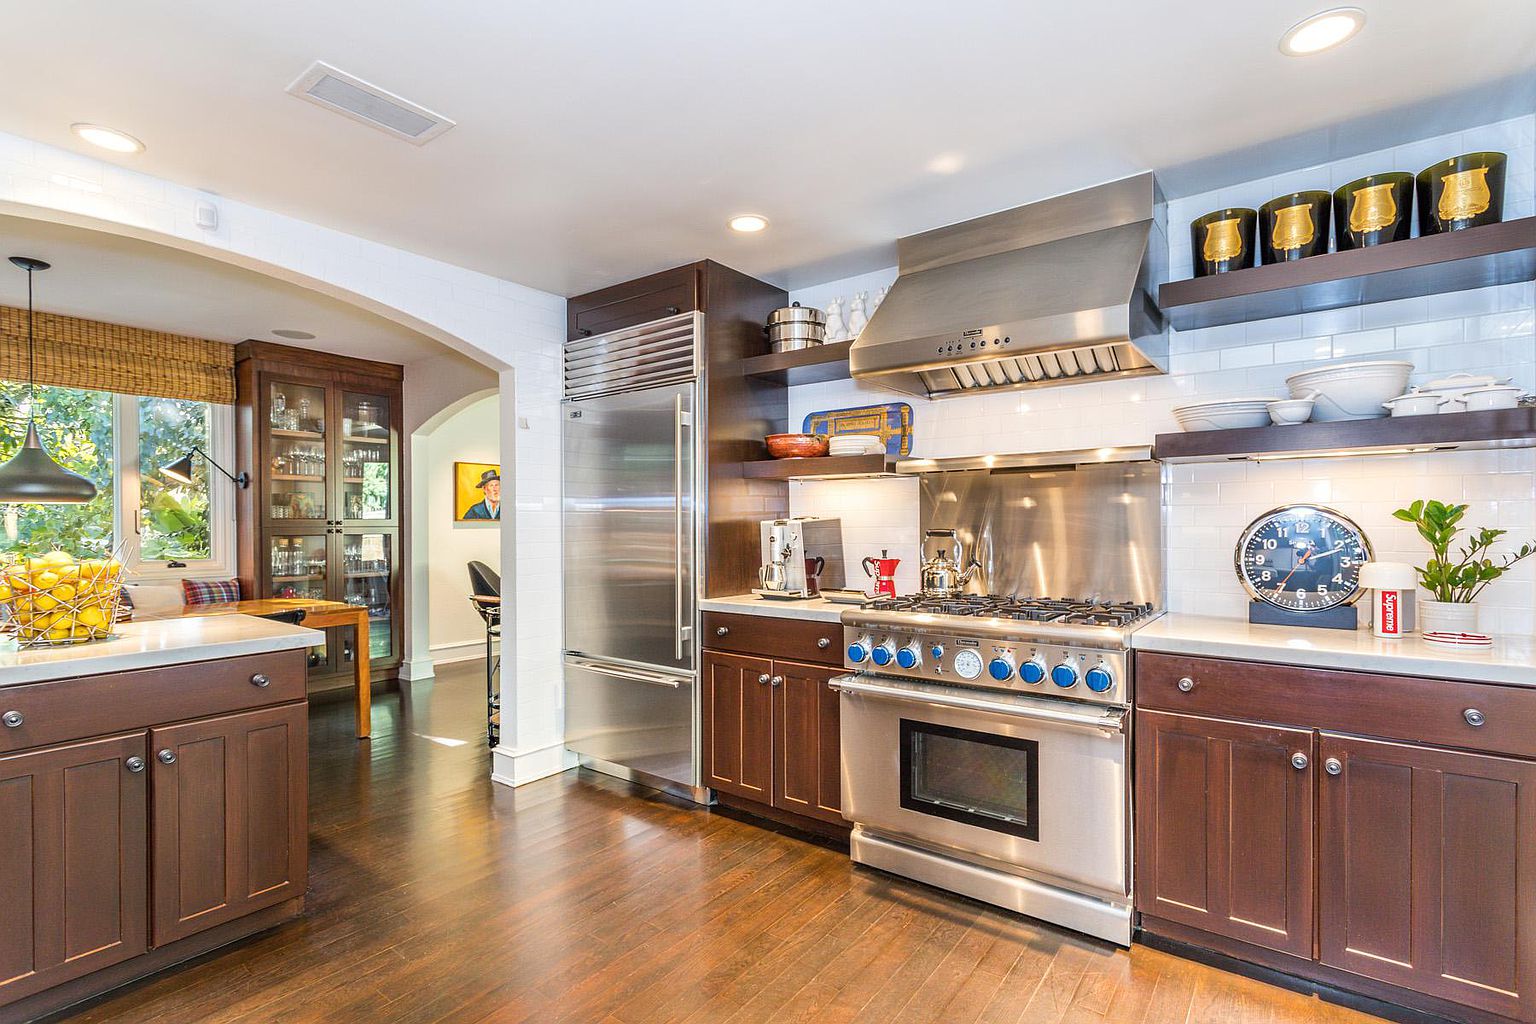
<point x="637" y="719"/>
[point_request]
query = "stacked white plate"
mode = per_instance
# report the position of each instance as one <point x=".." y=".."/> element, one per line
<point x="855" y="444"/>
<point x="1351" y="391"/>
<point x="1226" y="414"/>
<point x="1465" y="641"/>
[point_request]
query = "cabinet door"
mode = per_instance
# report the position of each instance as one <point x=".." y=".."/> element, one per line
<point x="230" y="818"/>
<point x="633" y="302"/>
<point x="1427" y="873"/>
<point x="738" y="725"/>
<point x="1224" y="823"/>
<point x="368" y="579"/>
<point x="293" y="422"/>
<point x="72" y="862"/>
<point x="807" y="773"/>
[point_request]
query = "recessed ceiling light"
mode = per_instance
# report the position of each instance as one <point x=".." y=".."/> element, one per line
<point x="293" y="335"/>
<point x="748" y="223"/>
<point x="107" y="138"/>
<point x="1322" y="31"/>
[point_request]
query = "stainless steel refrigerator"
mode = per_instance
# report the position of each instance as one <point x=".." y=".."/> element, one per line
<point x="631" y="458"/>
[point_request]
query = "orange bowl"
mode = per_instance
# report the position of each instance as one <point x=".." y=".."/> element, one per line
<point x="796" y="446"/>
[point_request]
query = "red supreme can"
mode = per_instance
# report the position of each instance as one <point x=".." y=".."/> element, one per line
<point x="1393" y="593"/>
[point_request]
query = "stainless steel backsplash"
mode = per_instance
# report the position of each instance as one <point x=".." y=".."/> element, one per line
<point x="1086" y="531"/>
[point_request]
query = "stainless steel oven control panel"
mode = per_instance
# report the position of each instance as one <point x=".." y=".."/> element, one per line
<point x="1064" y="670"/>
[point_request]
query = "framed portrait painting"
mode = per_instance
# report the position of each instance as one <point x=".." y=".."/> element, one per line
<point x="476" y="492"/>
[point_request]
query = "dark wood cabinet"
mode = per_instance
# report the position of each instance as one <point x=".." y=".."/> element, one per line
<point x="1225" y="825"/>
<point x="634" y="302"/>
<point x="72" y="862"/>
<point x="771" y="725"/>
<point x="807" y="777"/>
<point x="738" y="725"/>
<point x="229" y="818"/>
<point x="1388" y="865"/>
<point x="1426" y="871"/>
<point x="322" y="519"/>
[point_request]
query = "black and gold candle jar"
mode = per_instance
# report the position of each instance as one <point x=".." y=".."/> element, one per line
<point x="1465" y="191"/>
<point x="1223" y="240"/>
<point x="1293" y="227"/>
<point x="1373" y="210"/>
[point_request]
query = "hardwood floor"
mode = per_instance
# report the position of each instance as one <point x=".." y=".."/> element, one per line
<point x="438" y="896"/>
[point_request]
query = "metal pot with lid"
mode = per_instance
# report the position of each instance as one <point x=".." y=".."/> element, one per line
<point x="795" y="327"/>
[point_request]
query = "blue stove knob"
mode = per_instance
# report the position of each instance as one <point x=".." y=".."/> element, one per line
<point x="883" y="654"/>
<point x="1032" y="672"/>
<point x="907" y="656"/>
<point x="1064" y="676"/>
<point x="858" y="651"/>
<point x="1001" y="668"/>
<point x="1099" y="679"/>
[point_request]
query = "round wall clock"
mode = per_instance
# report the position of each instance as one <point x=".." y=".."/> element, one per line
<point x="1302" y="558"/>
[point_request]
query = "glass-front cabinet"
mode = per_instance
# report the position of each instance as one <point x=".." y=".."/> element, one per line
<point x="322" y="517"/>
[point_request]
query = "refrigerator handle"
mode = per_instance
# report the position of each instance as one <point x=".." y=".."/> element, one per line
<point x="681" y="631"/>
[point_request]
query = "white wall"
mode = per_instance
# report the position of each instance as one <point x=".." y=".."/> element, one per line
<point x="472" y="434"/>
<point x="515" y="329"/>
<point x="1485" y="331"/>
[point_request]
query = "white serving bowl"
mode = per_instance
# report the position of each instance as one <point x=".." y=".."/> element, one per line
<point x="1454" y="389"/>
<point x="1415" y="403"/>
<point x="1494" y="396"/>
<point x="1351" y="391"/>
<point x="1290" y="411"/>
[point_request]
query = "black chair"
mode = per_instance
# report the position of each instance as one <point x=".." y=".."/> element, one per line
<point x="293" y="617"/>
<point x="485" y="595"/>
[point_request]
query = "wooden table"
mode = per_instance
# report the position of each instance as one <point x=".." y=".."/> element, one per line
<point x="317" y="615"/>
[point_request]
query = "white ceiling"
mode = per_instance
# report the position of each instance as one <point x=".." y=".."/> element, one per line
<point x="126" y="281"/>
<point x="598" y="139"/>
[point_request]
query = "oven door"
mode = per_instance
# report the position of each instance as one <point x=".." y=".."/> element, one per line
<point x="1033" y="786"/>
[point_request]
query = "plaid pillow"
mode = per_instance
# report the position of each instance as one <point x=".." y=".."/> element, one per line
<point x="211" y="591"/>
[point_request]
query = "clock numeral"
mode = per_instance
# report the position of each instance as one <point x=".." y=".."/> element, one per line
<point x="1270" y="544"/>
<point x="1303" y="526"/>
<point x="1338" y="578"/>
<point x="1266" y="575"/>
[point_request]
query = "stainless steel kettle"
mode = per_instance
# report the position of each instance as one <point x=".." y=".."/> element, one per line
<point x="941" y="575"/>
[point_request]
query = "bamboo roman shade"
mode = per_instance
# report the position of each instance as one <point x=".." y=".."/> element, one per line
<point x="79" y="353"/>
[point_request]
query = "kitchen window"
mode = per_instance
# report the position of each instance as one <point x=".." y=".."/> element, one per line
<point x="120" y="442"/>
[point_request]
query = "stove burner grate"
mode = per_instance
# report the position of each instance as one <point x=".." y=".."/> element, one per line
<point x="1068" y="611"/>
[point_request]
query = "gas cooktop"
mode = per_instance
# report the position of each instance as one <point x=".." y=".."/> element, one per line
<point x="1058" y="611"/>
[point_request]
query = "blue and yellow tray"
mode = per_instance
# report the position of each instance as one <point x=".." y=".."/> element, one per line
<point x="892" y="423"/>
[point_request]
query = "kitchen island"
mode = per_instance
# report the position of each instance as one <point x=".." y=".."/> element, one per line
<point x="153" y="801"/>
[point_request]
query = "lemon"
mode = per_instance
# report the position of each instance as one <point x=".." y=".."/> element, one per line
<point x="44" y="579"/>
<point x="45" y="601"/>
<point x="94" y="618"/>
<point x="59" y="632"/>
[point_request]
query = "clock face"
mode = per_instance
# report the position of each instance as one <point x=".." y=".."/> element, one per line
<point x="967" y="664"/>
<point x="1303" y="558"/>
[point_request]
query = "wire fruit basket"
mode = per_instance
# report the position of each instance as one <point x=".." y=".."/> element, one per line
<point x="56" y="600"/>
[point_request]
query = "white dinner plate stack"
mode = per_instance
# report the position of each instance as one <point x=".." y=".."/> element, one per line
<point x="1226" y="414"/>
<point x="855" y="444"/>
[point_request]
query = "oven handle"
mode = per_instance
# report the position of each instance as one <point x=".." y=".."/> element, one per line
<point x="1112" y="724"/>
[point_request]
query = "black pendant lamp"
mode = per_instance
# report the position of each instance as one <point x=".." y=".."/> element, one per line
<point x="32" y="476"/>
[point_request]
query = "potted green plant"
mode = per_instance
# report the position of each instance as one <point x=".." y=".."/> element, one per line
<point x="1455" y="581"/>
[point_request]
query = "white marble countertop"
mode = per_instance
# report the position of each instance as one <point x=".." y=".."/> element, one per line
<point x="1511" y="660"/>
<point x="154" y="644"/>
<point x="817" y="609"/>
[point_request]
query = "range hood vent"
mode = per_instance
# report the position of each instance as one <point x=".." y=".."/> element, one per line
<point x="1051" y="293"/>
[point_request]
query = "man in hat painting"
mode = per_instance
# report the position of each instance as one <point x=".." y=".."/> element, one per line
<point x="488" y="507"/>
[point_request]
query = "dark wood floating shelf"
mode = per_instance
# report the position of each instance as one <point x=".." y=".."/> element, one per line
<point x="1502" y="428"/>
<point x="1455" y="261"/>
<point x="803" y="366"/>
<point x="827" y="465"/>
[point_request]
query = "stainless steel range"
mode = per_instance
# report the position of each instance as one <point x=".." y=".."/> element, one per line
<point x="985" y="738"/>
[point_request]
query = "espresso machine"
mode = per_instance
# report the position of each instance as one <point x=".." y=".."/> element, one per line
<point x="801" y="555"/>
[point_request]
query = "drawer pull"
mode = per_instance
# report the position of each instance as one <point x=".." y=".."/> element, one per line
<point x="13" y="719"/>
<point x="261" y="679"/>
<point x="1474" y="717"/>
<point x="1333" y="766"/>
<point x="722" y="631"/>
<point x="824" y="643"/>
<point x="762" y="679"/>
<point x="776" y="681"/>
<point x="1186" y="684"/>
<point x="134" y="764"/>
<point x="167" y="756"/>
<point x="1299" y="761"/>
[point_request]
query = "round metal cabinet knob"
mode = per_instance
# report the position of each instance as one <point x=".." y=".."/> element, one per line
<point x="261" y="679"/>
<point x="1186" y="684"/>
<point x="722" y="631"/>
<point x="134" y="764"/>
<point x="776" y="681"/>
<point x="763" y="678"/>
<point x="167" y="756"/>
<point x="13" y="719"/>
<point x="1299" y="761"/>
<point x="1333" y="766"/>
<point x="1474" y="717"/>
<point x="824" y="643"/>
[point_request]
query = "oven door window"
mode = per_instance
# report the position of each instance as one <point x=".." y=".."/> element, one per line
<point x="981" y="779"/>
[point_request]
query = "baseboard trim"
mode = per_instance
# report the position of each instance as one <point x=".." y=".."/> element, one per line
<point x="520" y="767"/>
<point x="417" y="668"/>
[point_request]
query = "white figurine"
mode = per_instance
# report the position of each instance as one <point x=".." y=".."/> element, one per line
<point x="879" y="298"/>
<point x="858" y="319"/>
<point x="836" y="329"/>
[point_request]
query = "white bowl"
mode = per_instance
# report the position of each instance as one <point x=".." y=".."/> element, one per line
<point x="1454" y="389"/>
<point x="1289" y="411"/>
<point x="1495" y="396"/>
<point x="1351" y="391"/>
<point x="1415" y="403"/>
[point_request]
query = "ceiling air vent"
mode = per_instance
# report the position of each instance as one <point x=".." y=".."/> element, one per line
<point x="362" y="101"/>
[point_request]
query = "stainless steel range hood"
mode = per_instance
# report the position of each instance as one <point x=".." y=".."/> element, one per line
<point x="1054" y="292"/>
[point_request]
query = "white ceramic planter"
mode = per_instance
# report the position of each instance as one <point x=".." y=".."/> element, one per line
<point x="1447" y="617"/>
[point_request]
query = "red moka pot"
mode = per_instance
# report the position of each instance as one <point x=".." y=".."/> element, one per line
<point x="883" y="571"/>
